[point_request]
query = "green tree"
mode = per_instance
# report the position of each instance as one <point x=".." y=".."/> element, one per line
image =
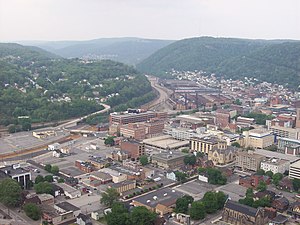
<point x="185" y="150"/>
<point x="61" y="180"/>
<point x="26" y="126"/>
<point x="221" y="199"/>
<point x="296" y="184"/>
<point x="276" y="178"/>
<point x="144" y="160"/>
<point x="10" y="192"/>
<point x="269" y="174"/>
<point x="49" y="178"/>
<point x="109" y="141"/>
<point x="55" y="170"/>
<point x="43" y="187"/>
<point x="262" y="186"/>
<point x="48" y="168"/>
<point x="118" y="216"/>
<point x="236" y="144"/>
<point x="197" y="211"/>
<point x="32" y="211"/>
<point x="262" y="202"/>
<point x="215" y="176"/>
<point x="249" y="193"/>
<point x="210" y="202"/>
<point x="182" y="204"/>
<point x="260" y="172"/>
<point x="180" y="176"/>
<point x="109" y="197"/>
<point x="190" y="160"/>
<point x="140" y="215"/>
<point x="39" y="179"/>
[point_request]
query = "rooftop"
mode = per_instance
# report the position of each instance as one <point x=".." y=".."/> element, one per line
<point x="165" y="142"/>
<point x="12" y="171"/>
<point x="170" y="155"/>
<point x="67" y="206"/>
<point x="296" y="164"/>
<point x="241" y="208"/>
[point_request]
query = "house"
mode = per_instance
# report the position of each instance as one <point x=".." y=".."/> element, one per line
<point x="253" y="180"/>
<point x="236" y="213"/>
<point x="171" y="175"/>
<point x="286" y="184"/>
<point x="279" y="220"/>
<point x="280" y="204"/>
<point x="294" y="210"/>
<point x="83" y="219"/>
<point x="56" y="153"/>
<point x="58" y="191"/>
<point x="266" y="193"/>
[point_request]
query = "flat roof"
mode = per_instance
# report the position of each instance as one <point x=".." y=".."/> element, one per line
<point x="296" y="164"/>
<point x="12" y="172"/>
<point x="67" y="206"/>
<point x="164" y="196"/>
<point x="168" y="155"/>
<point x="165" y="142"/>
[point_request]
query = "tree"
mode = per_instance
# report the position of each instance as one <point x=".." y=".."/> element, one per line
<point x="118" y="216"/>
<point x="26" y="126"/>
<point x="210" y="202"/>
<point x="110" y="196"/>
<point x="262" y="202"/>
<point x="260" y="172"/>
<point x="221" y="199"/>
<point x="269" y="174"/>
<point x="49" y="178"/>
<point x="190" y="160"/>
<point x="61" y="180"/>
<point x="43" y="187"/>
<point x="215" y="176"/>
<point x="276" y="178"/>
<point x="249" y="193"/>
<point x="48" y="168"/>
<point x="144" y="160"/>
<point x="236" y="144"/>
<point x="55" y="170"/>
<point x="237" y="102"/>
<point x="140" y="215"/>
<point x="39" y="179"/>
<point x="200" y="154"/>
<point x="10" y="192"/>
<point x="197" y="211"/>
<point x="296" y="184"/>
<point x="180" y="176"/>
<point x="262" y="186"/>
<point x="185" y="150"/>
<point x="182" y="204"/>
<point x="109" y="141"/>
<point x="32" y="211"/>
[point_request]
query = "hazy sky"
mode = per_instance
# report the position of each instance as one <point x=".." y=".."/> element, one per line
<point x="164" y="19"/>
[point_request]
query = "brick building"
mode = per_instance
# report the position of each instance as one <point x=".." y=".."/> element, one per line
<point x="133" y="130"/>
<point x="134" y="148"/>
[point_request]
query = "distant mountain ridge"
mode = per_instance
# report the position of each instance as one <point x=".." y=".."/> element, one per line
<point x="268" y="60"/>
<point x="127" y="50"/>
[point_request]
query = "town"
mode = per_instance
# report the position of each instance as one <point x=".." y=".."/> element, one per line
<point x="205" y="151"/>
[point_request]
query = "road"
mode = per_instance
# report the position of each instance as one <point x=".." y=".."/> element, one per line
<point x="164" y="94"/>
<point x="75" y="121"/>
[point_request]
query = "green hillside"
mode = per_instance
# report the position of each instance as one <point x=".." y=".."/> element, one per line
<point x="273" y="61"/>
<point x="45" y="87"/>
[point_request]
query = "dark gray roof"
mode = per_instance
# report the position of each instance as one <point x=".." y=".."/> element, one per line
<point x="241" y="208"/>
<point x="67" y="206"/>
<point x="279" y="219"/>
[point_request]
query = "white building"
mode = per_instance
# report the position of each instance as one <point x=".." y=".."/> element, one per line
<point x="53" y="146"/>
<point x="295" y="170"/>
<point x="275" y="165"/>
<point x="69" y="191"/>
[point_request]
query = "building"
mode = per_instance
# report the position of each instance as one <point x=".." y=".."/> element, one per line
<point x="298" y="118"/>
<point x="168" y="160"/>
<point x="124" y="186"/>
<point x="236" y="213"/>
<point x="222" y="156"/>
<point x="289" y="146"/>
<point x="86" y="167"/>
<point x="103" y="178"/>
<point x="171" y="175"/>
<point x="223" y="117"/>
<point x="286" y="132"/>
<point x="154" y="127"/>
<point x="118" y="155"/>
<point x="116" y="175"/>
<point x="294" y="210"/>
<point x="294" y="171"/>
<point x="164" y="142"/>
<point x="206" y="144"/>
<point x="83" y="220"/>
<point x="134" y="148"/>
<point x="133" y="130"/>
<point x="258" y="138"/>
<point x="69" y="191"/>
<point x="134" y="116"/>
<point x="22" y="176"/>
<point x="161" y="201"/>
<point x="275" y="165"/>
<point x="244" y="121"/>
<point x="249" y="160"/>
<point x="281" y="204"/>
<point x="253" y="180"/>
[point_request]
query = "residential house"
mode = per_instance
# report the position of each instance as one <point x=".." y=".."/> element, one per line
<point x="280" y="204"/>
<point x="83" y="219"/>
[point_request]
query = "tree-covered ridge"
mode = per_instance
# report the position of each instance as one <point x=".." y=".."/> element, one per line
<point x="272" y="61"/>
<point x="50" y="89"/>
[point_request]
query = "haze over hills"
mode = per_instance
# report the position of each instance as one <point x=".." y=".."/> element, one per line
<point x="274" y="61"/>
<point x="127" y="50"/>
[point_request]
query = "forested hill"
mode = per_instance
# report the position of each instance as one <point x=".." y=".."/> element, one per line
<point x="45" y="87"/>
<point x="273" y="61"/>
<point x="127" y="50"/>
